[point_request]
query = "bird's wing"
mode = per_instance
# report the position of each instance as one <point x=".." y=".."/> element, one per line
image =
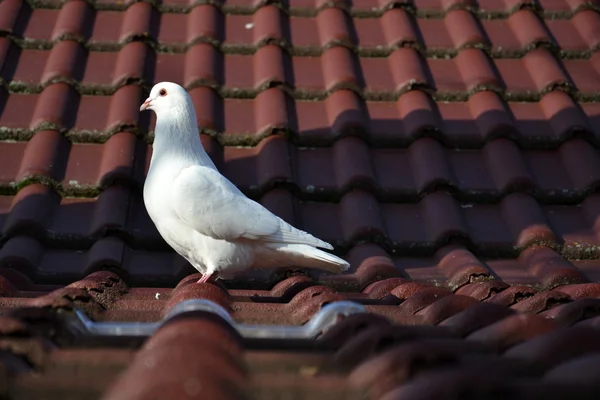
<point x="210" y="204"/>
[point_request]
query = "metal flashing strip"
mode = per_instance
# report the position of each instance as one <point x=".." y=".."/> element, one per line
<point x="324" y="319"/>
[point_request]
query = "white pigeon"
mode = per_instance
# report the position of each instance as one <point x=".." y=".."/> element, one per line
<point x="205" y="217"/>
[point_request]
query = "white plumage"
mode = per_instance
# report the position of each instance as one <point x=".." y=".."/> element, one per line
<point x="205" y="217"/>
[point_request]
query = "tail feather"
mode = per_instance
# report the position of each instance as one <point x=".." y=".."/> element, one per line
<point x="302" y="255"/>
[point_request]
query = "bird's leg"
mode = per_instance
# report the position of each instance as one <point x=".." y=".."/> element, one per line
<point x="206" y="277"/>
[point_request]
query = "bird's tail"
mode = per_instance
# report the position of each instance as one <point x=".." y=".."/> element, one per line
<point x="302" y="255"/>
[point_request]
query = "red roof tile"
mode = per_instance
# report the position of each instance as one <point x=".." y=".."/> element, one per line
<point x="447" y="148"/>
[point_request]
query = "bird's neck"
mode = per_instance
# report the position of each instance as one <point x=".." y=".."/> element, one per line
<point x="176" y="134"/>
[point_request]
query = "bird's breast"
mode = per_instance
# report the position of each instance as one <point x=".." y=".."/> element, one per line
<point x="157" y="197"/>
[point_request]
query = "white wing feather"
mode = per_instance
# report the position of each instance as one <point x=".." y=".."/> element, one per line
<point x="210" y="204"/>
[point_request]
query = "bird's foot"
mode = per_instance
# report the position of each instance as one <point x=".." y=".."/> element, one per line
<point x="206" y="277"/>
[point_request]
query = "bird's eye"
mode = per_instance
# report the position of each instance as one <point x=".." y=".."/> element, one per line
<point x="162" y="92"/>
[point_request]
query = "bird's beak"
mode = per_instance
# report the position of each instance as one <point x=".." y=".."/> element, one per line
<point x="147" y="104"/>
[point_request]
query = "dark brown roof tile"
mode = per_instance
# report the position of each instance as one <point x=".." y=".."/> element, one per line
<point x="571" y="313"/>
<point x="581" y="291"/>
<point x="358" y="324"/>
<point x="30" y="208"/>
<point x="12" y="326"/>
<point x="384" y="287"/>
<point x="74" y="21"/>
<point x="17" y="109"/>
<point x="375" y="340"/>
<point x="528" y="29"/>
<point x="41" y="22"/>
<point x="405" y="290"/>
<point x="46" y="154"/>
<point x="138" y="22"/>
<point x="476" y="65"/>
<point x="483" y="290"/>
<point x="593" y="322"/>
<point x="101" y="32"/>
<point x="401" y="364"/>
<point x="583" y="370"/>
<point x="418" y="113"/>
<point x="511" y="177"/>
<point x="213" y="368"/>
<point x="193" y="69"/>
<point x="445" y="307"/>
<point x="446" y="148"/>
<point x="52" y="108"/>
<point x="475" y="317"/>
<point x="9" y="10"/>
<point x="551" y="78"/>
<point x="334" y="28"/>
<point x="369" y="224"/>
<point x="451" y="384"/>
<point x="564" y="116"/>
<point x="513" y="330"/>
<point x="198" y="291"/>
<point x="61" y="63"/>
<point x="586" y="23"/>
<point x="399" y="29"/>
<point x="462" y="29"/>
<point x="551" y="269"/>
<point x="541" y="302"/>
<point x="340" y="70"/>
<point x="573" y="5"/>
<point x="580" y="156"/>
<point x="288" y="288"/>
<point x="421" y="299"/>
<point x="7" y="288"/>
<point x="17" y="278"/>
<point x="61" y="298"/>
<point x="22" y="254"/>
<point x="556" y="347"/>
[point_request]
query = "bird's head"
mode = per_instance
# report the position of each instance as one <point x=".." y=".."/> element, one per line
<point x="165" y="96"/>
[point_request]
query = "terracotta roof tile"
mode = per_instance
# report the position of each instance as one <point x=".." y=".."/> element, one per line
<point x="448" y="149"/>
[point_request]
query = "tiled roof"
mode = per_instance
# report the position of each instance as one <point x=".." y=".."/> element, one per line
<point x="447" y="149"/>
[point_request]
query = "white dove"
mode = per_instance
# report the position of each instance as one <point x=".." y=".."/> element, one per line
<point x="205" y="217"/>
